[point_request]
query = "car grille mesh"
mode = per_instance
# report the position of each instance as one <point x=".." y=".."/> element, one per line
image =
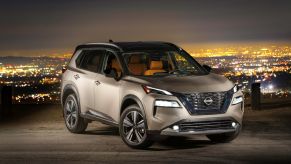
<point x="206" y="125"/>
<point x="195" y="102"/>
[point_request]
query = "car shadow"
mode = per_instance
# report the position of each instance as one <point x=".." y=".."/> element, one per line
<point x="174" y="143"/>
<point x="111" y="131"/>
<point x="162" y="143"/>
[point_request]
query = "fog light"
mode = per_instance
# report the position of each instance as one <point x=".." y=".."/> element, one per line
<point x="233" y="124"/>
<point x="175" y="127"/>
<point x="237" y="100"/>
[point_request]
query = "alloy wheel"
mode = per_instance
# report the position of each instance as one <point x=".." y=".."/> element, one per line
<point x="134" y="127"/>
<point x="71" y="112"/>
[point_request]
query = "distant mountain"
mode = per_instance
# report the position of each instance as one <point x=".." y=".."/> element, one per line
<point x="218" y="57"/>
<point x="15" y="60"/>
<point x="23" y="60"/>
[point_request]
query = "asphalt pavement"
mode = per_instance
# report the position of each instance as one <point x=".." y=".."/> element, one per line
<point x="37" y="134"/>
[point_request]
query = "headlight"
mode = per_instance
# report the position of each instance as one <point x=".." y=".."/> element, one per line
<point x="235" y="88"/>
<point x="148" y="90"/>
<point x="237" y="100"/>
<point x="167" y="103"/>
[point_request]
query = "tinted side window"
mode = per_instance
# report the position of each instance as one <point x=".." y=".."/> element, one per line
<point x="112" y="63"/>
<point x="90" y="60"/>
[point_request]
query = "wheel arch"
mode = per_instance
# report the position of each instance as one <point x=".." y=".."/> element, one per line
<point x="68" y="89"/>
<point x="130" y="100"/>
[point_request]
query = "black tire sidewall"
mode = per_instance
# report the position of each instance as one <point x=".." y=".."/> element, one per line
<point x="79" y="120"/>
<point x="147" y="140"/>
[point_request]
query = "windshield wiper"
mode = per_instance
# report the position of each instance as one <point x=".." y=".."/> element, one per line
<point x="161" y="73"/>
<point x="173" y="72"/>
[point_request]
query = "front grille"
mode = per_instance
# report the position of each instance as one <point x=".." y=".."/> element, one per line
<point x="196" y="103"/>
<point x="197" y="100"/>
<point x="206" y="125"/>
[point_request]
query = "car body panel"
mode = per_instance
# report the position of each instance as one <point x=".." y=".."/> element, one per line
<point x="107" y="96"/>
<point x="188" y="84"/>
<point x="104" y="96"/>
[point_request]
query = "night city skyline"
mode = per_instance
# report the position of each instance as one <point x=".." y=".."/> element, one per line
<point x="136" y="96"/>
<point x="38" y="28"/>
<point x="247" y="41"/>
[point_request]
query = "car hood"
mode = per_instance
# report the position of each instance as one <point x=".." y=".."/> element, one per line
<point x="186" y="84"/>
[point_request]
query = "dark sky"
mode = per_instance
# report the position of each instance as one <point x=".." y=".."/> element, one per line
<point x="27" y="25"/>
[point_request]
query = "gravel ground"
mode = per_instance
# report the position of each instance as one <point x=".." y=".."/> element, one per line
<point x="36" y="134"/>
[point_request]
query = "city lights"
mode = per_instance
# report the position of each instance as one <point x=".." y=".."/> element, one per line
<point x="34" y="80"/>
<point x="266" y="65"/>
<point x="37" y="79"/>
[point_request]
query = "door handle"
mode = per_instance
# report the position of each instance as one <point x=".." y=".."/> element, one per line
<point x="76" y="76"/>
<point x="97" y="82"/>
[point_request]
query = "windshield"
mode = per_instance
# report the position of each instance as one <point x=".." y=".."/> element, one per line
<point x="157" y="63"/>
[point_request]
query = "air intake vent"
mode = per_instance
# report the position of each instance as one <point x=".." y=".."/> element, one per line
<point x="206" y="125"/>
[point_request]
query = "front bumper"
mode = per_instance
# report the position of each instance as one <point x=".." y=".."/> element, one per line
<point x="161" y="120"/>
<point x="201" y="127"/>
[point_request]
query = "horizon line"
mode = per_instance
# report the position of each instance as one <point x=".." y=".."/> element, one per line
<point x="57" y="52"/>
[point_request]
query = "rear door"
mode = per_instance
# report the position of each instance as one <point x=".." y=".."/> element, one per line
<point x="89" y="64"/>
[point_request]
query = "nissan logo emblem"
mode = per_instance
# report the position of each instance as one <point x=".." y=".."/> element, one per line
<point x="208" y="100"/>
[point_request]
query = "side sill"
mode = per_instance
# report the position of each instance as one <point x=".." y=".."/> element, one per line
<point x="103" y="120"/>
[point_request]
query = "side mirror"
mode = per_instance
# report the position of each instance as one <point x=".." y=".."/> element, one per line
<point x="208" y="68"/>
<point x="64" y="68"/>
<point x="112" y="73"/>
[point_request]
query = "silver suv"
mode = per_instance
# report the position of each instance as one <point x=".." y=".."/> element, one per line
<point x="148" y="89"/>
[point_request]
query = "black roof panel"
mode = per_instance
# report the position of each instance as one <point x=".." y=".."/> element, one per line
<point x="132" y="46"/>
<point x="136" y="46"/>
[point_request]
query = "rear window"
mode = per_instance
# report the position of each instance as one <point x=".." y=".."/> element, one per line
<point x="90" y="60"/>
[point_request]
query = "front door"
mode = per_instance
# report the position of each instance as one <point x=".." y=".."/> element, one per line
<point x="107" y="90"/>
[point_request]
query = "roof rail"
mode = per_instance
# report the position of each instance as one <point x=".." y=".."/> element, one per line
<point x="99" y="44"/>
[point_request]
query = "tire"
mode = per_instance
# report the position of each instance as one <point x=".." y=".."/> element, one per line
<point x="133" y="128"/>
<point x="74" y="122"/>
<point x="224" y="137"/>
